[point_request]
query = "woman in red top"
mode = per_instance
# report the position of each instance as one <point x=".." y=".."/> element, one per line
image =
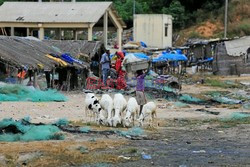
<point x="121" y="82"/>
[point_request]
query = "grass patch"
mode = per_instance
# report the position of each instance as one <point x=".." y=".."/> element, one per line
<point x="233" y="122"/>
<point x="221" y="84"/>
<point x="220" y="123"/>
<point x="61" y="153"/>
<point x="131" y="150"/>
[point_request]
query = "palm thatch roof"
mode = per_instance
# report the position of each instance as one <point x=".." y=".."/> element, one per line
<point x="29" y="52"/>
<point x="77" y="47"/>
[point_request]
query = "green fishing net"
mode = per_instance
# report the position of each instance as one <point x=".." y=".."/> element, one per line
<point x="24" y="93"/>
<point x="190" y="99"/>
<point x="136" y="131"/>
<point x="239" y="115"/>
<point x="22" y="130"/>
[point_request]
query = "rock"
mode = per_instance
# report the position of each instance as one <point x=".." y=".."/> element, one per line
<point x="83" y="149"/>
<point x="25" y="158"/>
<point x="2" y="160"/>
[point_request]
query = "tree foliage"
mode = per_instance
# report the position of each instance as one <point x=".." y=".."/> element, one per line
<point x="184" y="12"/>
<point x="178" y="13"/>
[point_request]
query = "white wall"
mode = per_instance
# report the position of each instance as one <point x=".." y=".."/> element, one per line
<point x="150" y="28"/>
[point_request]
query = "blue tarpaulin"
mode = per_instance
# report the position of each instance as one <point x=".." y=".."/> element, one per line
<point x="139" y="55"/>
<point x="69" y="59"/>
<point x="143" y="44"/>
<point x="170" y="57"/>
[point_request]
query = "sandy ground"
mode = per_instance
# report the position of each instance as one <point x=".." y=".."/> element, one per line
<point x="74" y="108"/>
<point x="185" y="137"/>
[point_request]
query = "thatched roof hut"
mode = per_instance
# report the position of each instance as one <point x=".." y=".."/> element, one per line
<point x="29" y="52"/>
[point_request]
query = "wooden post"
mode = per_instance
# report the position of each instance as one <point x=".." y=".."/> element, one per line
<point x="75" y="34"/>
<point x="53" y="78"/>
<point x="35" y="79"/>
<point x="68" y="80"/>
<point x="119" y="38"/>
<point x="105" y="29"/>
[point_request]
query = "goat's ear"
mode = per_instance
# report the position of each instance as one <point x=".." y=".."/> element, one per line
<point x="90" y="106"/>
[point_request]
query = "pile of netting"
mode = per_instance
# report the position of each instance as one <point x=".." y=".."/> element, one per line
<point x="10" y="92"/>
<point x="239" y="116"/>
<point x="23" y="130"/>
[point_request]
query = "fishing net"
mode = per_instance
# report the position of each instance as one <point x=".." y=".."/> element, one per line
<point x="85" y="129"/>
<point x="62" y="122"/>
<point x="22" y="130"/>
<point x="24" y="93"/>
<point x="225" y="100"/>
<point x="190" y="99"/>
<point x="246" y="106"/>
<point x="180" y="105"/>
<point x="136" y="131"/>
<point x="239" y="116"/>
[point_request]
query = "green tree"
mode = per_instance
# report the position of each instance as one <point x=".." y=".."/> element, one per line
<point x="125" y="9"/>
<point x="178" y="12"/>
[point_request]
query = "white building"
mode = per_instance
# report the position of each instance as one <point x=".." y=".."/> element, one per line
<point x="153" y="29"/>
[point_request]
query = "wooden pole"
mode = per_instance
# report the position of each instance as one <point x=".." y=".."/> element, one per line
<point x="53" y="78"/>
<point x="35" y="79"/>
<point x="68" y="80"/>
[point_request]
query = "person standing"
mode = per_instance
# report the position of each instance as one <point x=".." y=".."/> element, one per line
<point x="140" y="86"/>
<point x="121" y="82"/>
<point x="105" y="62"/>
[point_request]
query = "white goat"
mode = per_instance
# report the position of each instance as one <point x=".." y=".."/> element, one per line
<point x="107" y="105"/>
<point x="120" y="105"/>
<point x="149" y="109"/>
<point x="92" y="105"/>
<point x="131" y="112"/>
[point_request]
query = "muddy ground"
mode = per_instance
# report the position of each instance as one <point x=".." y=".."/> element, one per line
<point x="184" y="137"/>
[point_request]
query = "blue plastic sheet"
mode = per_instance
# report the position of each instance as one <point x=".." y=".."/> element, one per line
<point x="170" y="57"/>
<point x="143" y="44"/>
<point x="69" y="59"/>
<point x="139" y="55"/>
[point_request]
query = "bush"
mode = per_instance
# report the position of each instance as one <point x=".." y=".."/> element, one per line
<point x="195" y="34"/>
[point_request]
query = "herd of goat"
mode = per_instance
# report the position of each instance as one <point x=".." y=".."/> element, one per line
<point x="118" y="111"/>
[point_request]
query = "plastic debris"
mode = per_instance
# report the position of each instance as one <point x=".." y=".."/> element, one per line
<point x="200" y="151"/>
<point x="146" y="156"/>
<point x="23" y="93"/>
<point x="123" y="157"/>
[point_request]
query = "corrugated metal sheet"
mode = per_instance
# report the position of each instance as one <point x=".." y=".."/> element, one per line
<point x="238" y="47"/>
<point x="53" y="12"/>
